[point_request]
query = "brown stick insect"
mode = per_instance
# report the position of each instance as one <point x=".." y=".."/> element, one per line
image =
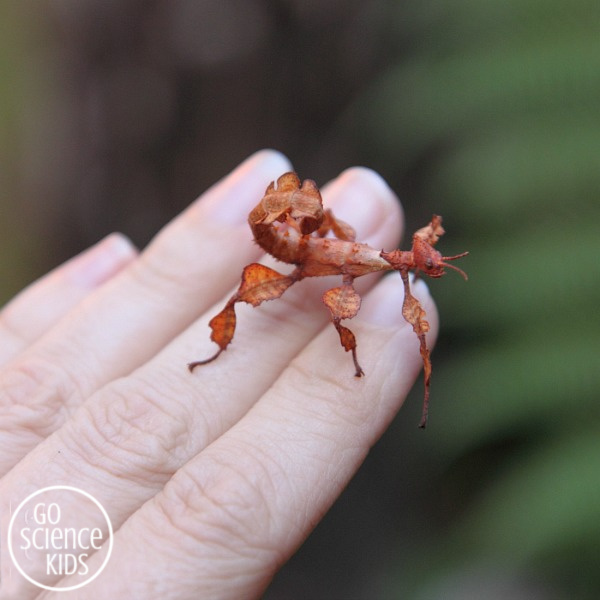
<point x="290" y="224"/>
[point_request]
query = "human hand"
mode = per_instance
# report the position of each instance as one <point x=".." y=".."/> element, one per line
<point x="213" y="479"/>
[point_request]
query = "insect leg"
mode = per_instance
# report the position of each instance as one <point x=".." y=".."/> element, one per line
<point x="413" y="313"/>
<point x="259" y="283"/>
<point x="344" y="302"/>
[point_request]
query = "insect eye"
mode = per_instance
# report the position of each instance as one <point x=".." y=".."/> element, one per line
<point x="428" y="262"/>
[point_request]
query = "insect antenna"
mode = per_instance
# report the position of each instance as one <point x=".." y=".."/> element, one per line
<point x="445" y="264"/>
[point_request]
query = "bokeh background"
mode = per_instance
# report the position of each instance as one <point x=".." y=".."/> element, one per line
<point x="114" y="115"/>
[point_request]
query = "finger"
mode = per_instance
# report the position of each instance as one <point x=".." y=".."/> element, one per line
<point x="38" y="307"/>
<point x="236" y="512"/>
<point x="190" y="264"/>
<point x="133" y="434"/>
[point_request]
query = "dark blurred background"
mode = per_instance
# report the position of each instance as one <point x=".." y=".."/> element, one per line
<point x="114" y="115"/>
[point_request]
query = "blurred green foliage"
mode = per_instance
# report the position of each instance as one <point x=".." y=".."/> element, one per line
<point x="492" y="117"/>
<point x="116" y="115"/>
<point x="14" y="270"/>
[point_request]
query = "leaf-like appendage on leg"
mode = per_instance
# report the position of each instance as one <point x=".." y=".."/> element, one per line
<point x="413" y="313"/>
<point x="259" y="283"/>
<point x="223" y="328"/>
<point x="344" y="303"/>
<point x="348" y="341"/>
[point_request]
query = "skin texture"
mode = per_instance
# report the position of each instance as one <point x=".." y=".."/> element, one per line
<point x="211" y="481"/>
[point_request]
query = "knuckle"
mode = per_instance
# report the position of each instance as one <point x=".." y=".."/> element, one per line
<point x="232" y="500"/>
<point x="128" y="433"/>
<point x="37" y="394"/>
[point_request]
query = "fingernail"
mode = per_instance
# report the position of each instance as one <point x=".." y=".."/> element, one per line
<point x="100" y="262"/>
<point x="230" y="201"/>
<point x="363" y="199"/>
